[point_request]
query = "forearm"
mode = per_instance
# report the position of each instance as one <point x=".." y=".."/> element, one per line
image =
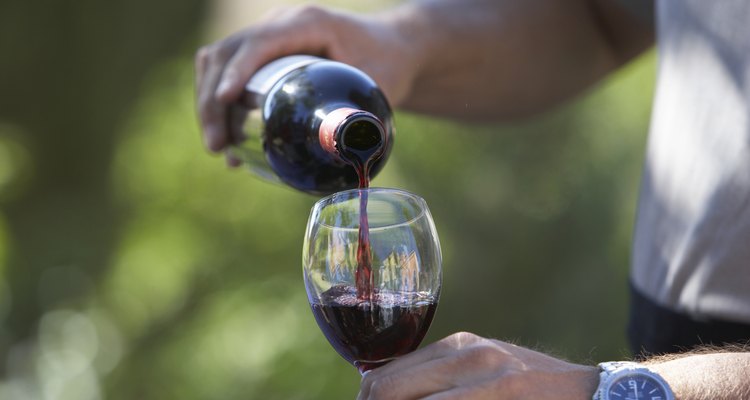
<point x="717" y="376"/>
<point x="495" y="59"/>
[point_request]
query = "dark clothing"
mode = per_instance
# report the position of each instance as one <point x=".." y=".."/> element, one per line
<point x="654" y="329"/>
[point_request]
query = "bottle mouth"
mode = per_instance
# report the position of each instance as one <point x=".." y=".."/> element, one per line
<point x="362" y="132"/>
<point x="353" y="135"/>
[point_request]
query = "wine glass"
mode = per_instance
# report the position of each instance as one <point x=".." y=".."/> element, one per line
<point x="376" y="306"/>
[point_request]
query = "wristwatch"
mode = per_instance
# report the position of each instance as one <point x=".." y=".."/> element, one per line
<point x="622" y="380"/>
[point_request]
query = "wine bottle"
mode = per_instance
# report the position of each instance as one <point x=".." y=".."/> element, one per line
<point x="307" y="121"/>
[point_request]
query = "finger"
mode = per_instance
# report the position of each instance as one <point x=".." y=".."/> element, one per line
<point x="436" y="355"/>
<point x="201" y="59"/>
<point x="404" y="363"/>
<point x="430" y="377"/>
<point x="250" y="56"/>
<point x="460" y="359"/>
<point x="212" y="112"/>
<point x="284" y="36"/>
<point x="436" y="350"/>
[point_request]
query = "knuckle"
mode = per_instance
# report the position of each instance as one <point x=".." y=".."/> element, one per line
<point x="312" y="11"/>
<point x="217" y="52"/>
<point x="467" y="336"/>
<point x="460" y="340"/>
<point x="482" y="356"/>
<point x="221" y="52"/>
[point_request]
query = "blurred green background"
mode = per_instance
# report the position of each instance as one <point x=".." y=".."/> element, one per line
<point x="133" y="265"/>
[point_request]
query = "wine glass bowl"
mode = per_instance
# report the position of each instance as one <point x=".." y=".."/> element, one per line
<point x="372" y="315"/>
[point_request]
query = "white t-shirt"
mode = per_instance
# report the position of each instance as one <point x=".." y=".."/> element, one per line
<point x="692" y="238"/>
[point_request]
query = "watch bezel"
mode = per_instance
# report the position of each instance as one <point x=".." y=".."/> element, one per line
<point x="610" y="376"/>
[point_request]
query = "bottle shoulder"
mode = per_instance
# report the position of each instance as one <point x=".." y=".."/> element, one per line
<point x="263" y="80"/>
<point x="312" y="91"/>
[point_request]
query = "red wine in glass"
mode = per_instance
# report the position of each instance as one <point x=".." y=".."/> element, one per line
<point x="377" y="331"/>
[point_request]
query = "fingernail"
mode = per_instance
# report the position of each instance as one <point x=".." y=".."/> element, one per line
<point x="211" y="139"/>
<point x="233" y="162"/>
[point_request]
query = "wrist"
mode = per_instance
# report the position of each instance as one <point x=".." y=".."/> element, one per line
<point x="719" y="376"/>
<point x="588" y="380"/>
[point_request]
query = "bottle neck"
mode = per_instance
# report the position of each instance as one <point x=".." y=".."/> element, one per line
<point x="353" y="136"/>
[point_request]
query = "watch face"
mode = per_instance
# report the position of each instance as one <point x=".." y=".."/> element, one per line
<point x="637" y="387"/>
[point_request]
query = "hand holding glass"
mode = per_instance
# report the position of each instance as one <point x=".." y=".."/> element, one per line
<point x="391" y="320"/>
